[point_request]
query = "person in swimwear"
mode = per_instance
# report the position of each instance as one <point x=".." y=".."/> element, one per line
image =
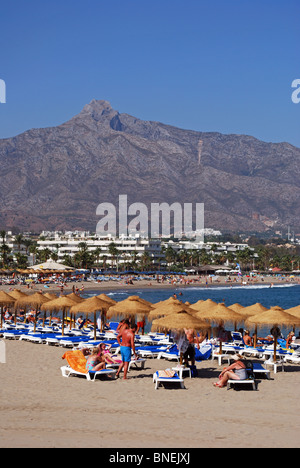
<point x="125" y="339"/>
<point x="95" y="362"/>
<point x="237" y="371"/>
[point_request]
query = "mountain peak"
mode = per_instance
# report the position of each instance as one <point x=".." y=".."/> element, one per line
<point x="97" y="110"/>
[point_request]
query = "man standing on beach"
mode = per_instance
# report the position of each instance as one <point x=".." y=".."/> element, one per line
<point x="190" y="353"/>
<point x="125" y="339"/>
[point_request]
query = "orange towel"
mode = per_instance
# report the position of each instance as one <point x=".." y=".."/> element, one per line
<point x="76" y="360"/>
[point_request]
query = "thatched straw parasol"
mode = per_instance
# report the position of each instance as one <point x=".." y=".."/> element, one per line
<point x="5" y="300"/>
<point x="91" y="305"/>
<point x="236" y="307"/>
<point x="106" y="298"/>
<point x="171" y="300"/>
<point x="220" y="314"/>
<point x="75" y="297"/>
<point x="171" y="308"/>
<point x="33" y="300"/>
<point x="204" y="305"/>
<point x="274" y="316"/>
<point x="16" y="293"/>
<point x="253" y="310"/>
<point x="51" y="296"/>
<point x="132" y="306"/>
<point x="294" y="311"/>
<point x="62" y="303"/>
<point x="179" y="321"/>
<point x="197" y="304"/>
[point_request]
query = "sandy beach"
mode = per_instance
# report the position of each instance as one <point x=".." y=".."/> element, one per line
<point x="40" y="408"/>
<point x="189" y="281"/>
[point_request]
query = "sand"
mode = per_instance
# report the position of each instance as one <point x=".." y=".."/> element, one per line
<point x="189" y="281"/>
<point x="40" y="408"/>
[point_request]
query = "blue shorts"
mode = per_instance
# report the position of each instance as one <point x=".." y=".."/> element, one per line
<point x="125" y="353"/>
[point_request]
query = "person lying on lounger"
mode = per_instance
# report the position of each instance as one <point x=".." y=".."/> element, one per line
<point x="237" y="371"/>
<point x="104" y="349"/>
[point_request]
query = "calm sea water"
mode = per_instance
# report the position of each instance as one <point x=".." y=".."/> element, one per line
<point x="283" y="295"/>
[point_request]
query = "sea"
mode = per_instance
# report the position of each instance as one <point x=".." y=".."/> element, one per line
<point x="282" y="295"/>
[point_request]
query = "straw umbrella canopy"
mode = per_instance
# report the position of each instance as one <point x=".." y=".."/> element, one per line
<point x="132" y="306"/>
<point x="171" y="308"/>
<point x="5" y="300"/>
<point x="50" y="296"/>
<point x="16" y="293"/>
<point x="294" y="311"/>
<point x="179" y="321"/>
<point x="171" y="300"/>
<point x="204" y="305"/>
<point x="274" y="316"/>
<point x="106" y="298"/>
<point x="253" y="310"/>
<point x="250" y="311"/>
<point x="35" y="300"/>
<point x="197" y="304"/>
<point x="75" y="297"/>
<point x="90" y="305"/>
<point x="62" y="303"/>
<point x="220" y="314"/>
<point x="237" y="307"/>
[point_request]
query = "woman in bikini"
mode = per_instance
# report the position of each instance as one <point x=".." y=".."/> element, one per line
<point x="237" y="371"/>
<point x="95" y="362"/>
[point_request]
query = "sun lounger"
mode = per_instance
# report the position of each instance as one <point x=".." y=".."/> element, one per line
<point x="12" y="334"/>
<point x="138" y="363"/>
<point x="77" y="367"/>
<point x="258" y="370"/>
<point x="172" y="353"/>
<point x="232" y="382"/>
<point x="150" y="351"/>
<point x="250" y="351"/>
<point x="293" y="358"/>
<point x="168" y="376"/>
<point x="67" y="371"/>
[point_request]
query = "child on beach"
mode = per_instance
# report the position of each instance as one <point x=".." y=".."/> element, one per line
<point x="95" y="362"/>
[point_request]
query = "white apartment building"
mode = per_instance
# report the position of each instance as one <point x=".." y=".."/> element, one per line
<point x="128" y="248"/>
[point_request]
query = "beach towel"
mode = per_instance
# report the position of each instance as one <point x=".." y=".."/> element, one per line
<point x="166" y="373"/>
<point x="76" y="360"/>
<point x="203" y="353"/>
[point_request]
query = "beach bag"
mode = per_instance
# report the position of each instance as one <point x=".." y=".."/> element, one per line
<point x="249" y="368"/>
<point x="194" y="371"/>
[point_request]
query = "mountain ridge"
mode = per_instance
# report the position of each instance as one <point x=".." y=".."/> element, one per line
<point x="55" y="177"/>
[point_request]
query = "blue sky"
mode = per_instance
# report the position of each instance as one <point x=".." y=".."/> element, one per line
<point x="206" y="65"/>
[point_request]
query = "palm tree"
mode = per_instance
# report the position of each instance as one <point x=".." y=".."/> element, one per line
<point x="19" y="240"/>
<point x="3" y="235"/>
<point x="97" y="253"/>
<point x="145" y="261"/>
<point x="33" y="249"/>
<point x="113" y="251"/>
<point x="5" y="250"/>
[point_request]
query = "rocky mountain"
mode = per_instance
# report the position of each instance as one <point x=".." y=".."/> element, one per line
<point x="54" y="178"/>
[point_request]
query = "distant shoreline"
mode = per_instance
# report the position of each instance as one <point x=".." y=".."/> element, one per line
<point x="189" y="282"/>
